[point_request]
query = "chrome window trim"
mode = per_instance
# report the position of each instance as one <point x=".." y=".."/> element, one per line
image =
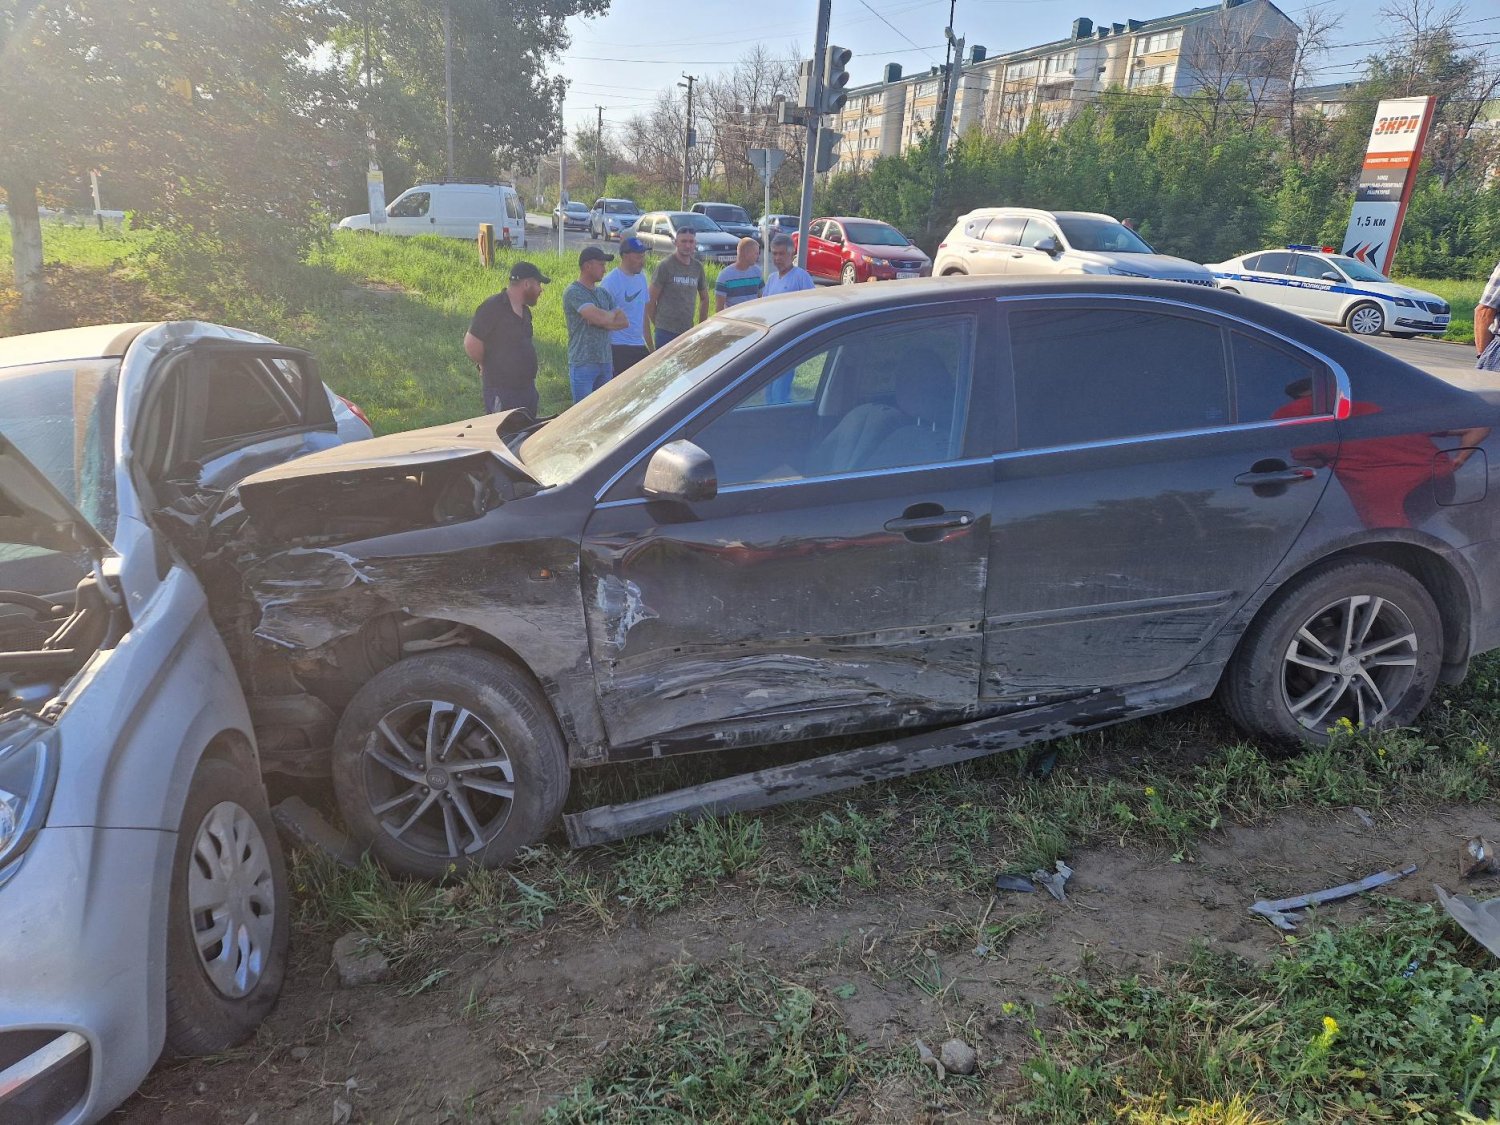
<point x="752" y="486"/>
<point x="1342" y="395"/>
<point x="751" y="374"/>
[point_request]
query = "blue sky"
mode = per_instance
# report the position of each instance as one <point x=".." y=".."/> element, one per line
<point x="622" y="59"/>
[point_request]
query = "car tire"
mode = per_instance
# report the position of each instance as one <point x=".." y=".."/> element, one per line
<point x="404" y="767"/>
<point x="218" y="990"/>
<point x="1365" y="319"/>
<point x="955" y="272"/>
<point x="1274" y="685"/>
<point x="849" y="276"/>
<point x="1228" y="289"/>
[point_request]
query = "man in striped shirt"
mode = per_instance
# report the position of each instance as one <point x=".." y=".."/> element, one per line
<point x="1486" y="331"/>
<point x="740" y="282"/>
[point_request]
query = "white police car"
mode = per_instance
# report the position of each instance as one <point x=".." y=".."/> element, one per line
<point x="1334" y="288"/>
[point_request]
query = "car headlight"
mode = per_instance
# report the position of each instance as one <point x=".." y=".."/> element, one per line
<point x="702" y="249"/>
<point x="878" y="261"/>
<point x="1404" y="303"/>
<point x="1118" y="272"/>
<point x="28" y="775"/>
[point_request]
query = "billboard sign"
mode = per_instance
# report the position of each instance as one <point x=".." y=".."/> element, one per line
<point x="1387" y="179"/>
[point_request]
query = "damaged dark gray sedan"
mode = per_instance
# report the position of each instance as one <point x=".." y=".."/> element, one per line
<point x="971" y="514"/>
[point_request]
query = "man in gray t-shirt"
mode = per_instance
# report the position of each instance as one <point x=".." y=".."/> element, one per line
<point x="679" y="280"/>
<point x="591" y="315"/>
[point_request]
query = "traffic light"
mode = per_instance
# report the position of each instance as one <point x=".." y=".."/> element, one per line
<point x="835" y="77"/>
<point x="828" y="145"/>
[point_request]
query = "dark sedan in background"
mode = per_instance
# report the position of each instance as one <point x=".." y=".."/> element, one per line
<point x="886" y="508"/>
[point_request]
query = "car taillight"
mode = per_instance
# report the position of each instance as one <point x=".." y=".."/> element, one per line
<point x="355" y="410"/>
<point x="942" y="246"/>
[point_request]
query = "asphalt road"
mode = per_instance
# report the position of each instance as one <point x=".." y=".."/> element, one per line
<point x="541" y="236"/>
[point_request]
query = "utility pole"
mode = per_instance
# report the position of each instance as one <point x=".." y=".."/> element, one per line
<point x="947" y="68"/>
<point x="562" y="188"/>
<point x="448" y="78"/>
<point x="366" y="11"/>
<point x="599" y="152"/>
<point x="687" y="136"/>
<point x="810" y="157"/>
<point x="950" y="91"/>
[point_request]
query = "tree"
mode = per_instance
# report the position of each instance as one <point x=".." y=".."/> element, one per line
<point x="207" y="113"/>
<point x="506" y="105"/>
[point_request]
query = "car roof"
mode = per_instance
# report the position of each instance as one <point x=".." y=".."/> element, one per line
<point x="96" y="341"/>
<point x="855" y="219"/>
<point x="1034" y="212"/>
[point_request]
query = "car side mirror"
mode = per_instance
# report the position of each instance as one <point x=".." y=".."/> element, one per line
<point x="1331" y="276"/>
<point x="682" y="471"/>
<point x="1048" y="245"/>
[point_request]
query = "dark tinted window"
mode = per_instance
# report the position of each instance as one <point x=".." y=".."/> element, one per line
<point x="244" y="399"/>
<point x="1005" y="231"/>
<point x="1275" y="262"/>
<point x="1092" y="374"/>
<point x="1253" y="262"/>
<point x="1273" y="382"/>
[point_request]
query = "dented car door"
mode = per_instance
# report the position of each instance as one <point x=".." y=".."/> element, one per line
<point x="836" y="580"/>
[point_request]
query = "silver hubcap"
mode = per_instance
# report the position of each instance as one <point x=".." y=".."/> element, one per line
<point x="1355" y="659"/>
<point x="1366" y="322"/>
<point x="848" y="276"/>
<point x="439" y="778"/>
<point x="232" y="898"/>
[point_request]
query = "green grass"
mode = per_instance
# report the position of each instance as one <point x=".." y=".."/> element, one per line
<point x="1461" y="296"/>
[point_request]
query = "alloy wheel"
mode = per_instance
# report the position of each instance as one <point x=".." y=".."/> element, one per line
<point x="232" y="899"/>
<point x="1354" y="659"/>
<point x="438" y="778"/>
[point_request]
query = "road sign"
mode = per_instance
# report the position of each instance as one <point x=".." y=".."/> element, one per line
<point x="375" y="189"/>
<point x="1387" y="179"/>
<point x="766" y="161"/>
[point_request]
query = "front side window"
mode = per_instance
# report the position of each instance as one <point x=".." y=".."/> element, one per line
<point x="413" y="206"/>
<point x="590" y="429"/>
<point x="871" y="400"/>
<point x="1311" y="267"/>
<point x="1035" y="231"/>
<point x="1087" y="374"/>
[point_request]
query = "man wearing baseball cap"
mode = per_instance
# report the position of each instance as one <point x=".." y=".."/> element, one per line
<point x="499" y="341"/>
<point x="627" y="284"/>
<point x="591" y="317"/>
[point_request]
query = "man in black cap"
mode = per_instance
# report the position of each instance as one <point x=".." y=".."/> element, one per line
<point x="499" y="341"/>
<point x="591" y="315"/>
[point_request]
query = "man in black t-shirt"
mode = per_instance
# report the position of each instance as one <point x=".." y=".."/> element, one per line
<point x="499" y="341"/>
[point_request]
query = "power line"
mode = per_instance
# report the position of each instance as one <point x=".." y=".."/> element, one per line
<point x="896" y="29"/>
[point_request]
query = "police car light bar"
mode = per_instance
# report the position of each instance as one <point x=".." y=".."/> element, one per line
<point x="1316" y="249"/>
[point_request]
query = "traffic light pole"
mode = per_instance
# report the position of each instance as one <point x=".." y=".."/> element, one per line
<point x="810" y="158"/>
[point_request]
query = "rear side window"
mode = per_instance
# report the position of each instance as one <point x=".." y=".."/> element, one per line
<point x="1273" y="382"/>
<point x="1253" y="262"/>
<point x="245" y="398"/>
<point x="1275" y="262"/>
<point x="514" y="210"/>
<point x="1005" y="231"/>
<point x="1097" y="374"/>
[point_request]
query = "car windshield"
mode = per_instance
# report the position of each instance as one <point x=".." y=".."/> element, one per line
<point x="619" y="207"/>
<point x="688" y="221"/>
<point x="62" y="417"/>
<point x="874" y="234"/>
<point x="726" y="213"/>
<point x="588" y="430"/>
<point x="583" y="207"/>
<point x="1356" y="269"/>
<point x="1103" y="235"/>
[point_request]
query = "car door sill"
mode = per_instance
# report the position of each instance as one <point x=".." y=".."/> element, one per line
<point x="899" y="757"/>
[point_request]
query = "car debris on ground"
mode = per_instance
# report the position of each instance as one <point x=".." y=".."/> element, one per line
<point x="1055" y="883"/>
<point x="1280" y="912"/>
<point x="1480" y="920"/>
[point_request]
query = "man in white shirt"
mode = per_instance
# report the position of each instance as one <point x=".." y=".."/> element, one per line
<point x="627" y="284"/>
<point x="786" y="277"/>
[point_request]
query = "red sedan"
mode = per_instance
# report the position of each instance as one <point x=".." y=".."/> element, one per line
<point x="855" y="250"/>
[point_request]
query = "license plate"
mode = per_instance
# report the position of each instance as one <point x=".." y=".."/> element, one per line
<point x="908" y="273"/>
<point x="1441" y="319"/>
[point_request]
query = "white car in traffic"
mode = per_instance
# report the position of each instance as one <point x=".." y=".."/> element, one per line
<point x="1335" y="289"/>
<point x="1024" y="240"/>
<point x="142" y="891"/>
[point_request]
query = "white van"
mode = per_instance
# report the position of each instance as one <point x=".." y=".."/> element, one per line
<point x="455" y="210"/>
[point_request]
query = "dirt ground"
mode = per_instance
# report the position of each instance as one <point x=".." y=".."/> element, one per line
<point x="508" y="1031"/>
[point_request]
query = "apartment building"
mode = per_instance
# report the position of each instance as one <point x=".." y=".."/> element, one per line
<point x="1247" y="43"/>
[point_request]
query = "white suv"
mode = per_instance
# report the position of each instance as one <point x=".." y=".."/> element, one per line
<point x="1020" y="240"/>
